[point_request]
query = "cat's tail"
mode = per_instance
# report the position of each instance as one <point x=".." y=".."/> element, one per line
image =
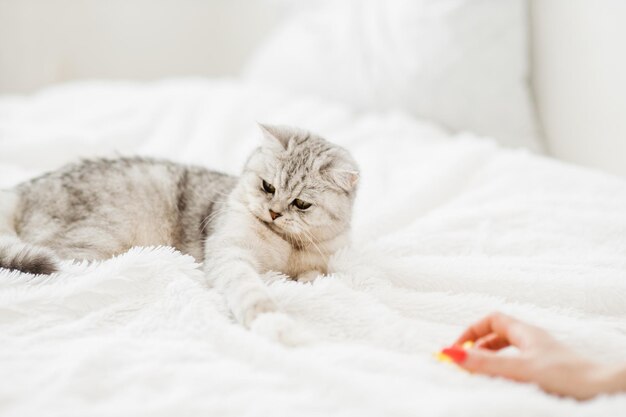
<point x="19" y="256"/>
<point x="16" y="254"/>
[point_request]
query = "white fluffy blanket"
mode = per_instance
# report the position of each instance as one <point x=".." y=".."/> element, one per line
<point x="446" y="230"/>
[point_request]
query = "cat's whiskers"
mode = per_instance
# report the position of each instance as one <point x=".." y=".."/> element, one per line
<point x="311" y="240"/>
<point x="208" y="219"/>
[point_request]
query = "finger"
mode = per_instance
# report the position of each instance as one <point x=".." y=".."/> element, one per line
<point x="485" y="362"/>
<point x="512" y="330"/>
<point x="492" y="342"/>
<point x="484" y="327"/>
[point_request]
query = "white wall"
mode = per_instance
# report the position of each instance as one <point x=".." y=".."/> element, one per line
<point x="48" y="41"/>
<point x="579" y="76"/>
<point x="578" y="55"/>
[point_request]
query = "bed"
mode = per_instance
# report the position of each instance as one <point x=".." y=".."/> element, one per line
<point x="447" y="228"/>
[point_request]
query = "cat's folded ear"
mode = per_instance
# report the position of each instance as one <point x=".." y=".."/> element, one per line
<point x="345" y="179"/>
<point x="276" y="136"/>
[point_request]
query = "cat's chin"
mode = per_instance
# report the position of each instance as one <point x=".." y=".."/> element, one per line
<point x="292" y="238"/>
<point x="269" y="224"/>
<point x="277" y="229"/>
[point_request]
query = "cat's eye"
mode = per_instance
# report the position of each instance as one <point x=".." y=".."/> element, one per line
<point x="302" y="205"/>
<point x="269" y="188"/>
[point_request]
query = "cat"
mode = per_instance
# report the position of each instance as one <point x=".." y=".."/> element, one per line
<point x="288" y="212"/>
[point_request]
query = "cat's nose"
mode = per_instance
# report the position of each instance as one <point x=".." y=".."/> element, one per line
<point x="274" y="215"/>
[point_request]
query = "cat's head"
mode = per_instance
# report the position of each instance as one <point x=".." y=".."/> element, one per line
<point x="300" y="185"/>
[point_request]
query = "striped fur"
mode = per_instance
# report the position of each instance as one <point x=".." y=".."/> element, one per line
<point x="99" y="208"/>
<point x="20" y="256"/>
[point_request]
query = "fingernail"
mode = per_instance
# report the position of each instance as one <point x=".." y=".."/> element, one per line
<point x="457" y="354"/>
<point x="467" y="345"/>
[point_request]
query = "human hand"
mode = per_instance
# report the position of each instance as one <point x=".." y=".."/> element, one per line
<point x="541" y="360"/>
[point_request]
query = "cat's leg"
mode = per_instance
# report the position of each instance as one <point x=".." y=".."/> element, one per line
<point x="232" y="270"/>
<point x="87" y="242"/>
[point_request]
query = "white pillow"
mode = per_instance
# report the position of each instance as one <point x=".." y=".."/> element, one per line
<point x="461" y="63"/>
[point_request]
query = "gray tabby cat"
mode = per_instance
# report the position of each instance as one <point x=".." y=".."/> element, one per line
<point x="289" y="211"/>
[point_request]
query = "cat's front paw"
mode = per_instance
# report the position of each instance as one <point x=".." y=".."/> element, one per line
<point x="255" y="305"/>
<point x="308" y="276"/>
<point x="282" y="329"/>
